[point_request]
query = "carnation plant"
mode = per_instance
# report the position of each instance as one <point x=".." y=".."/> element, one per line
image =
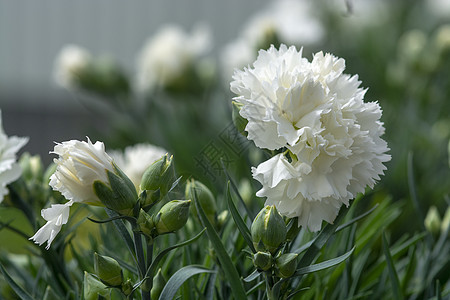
<point x="281" y="196"/>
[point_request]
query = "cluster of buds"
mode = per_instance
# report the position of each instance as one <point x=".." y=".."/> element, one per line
<point x="269" y="233"/>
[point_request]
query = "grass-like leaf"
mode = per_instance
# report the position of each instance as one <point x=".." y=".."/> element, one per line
<point x="323" y="265"/>
<point x="159" y="257"/>
<point x="243" y="229"/>
<point x="15" y="287"/>
<point x="226" y="263"/>
<point x="178" y="278"/>
<point x="252" y="276"/>
<point x="413" y="191"/>
<point x="395" y="284"/>
<point x="123" y="231"/>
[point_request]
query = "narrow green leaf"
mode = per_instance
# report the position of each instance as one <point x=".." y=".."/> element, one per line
<point x="243" y="229"/>
<point x="159" y="257"/>
<point x="178" y="278"/>
<point x="16" y="288"/>
<point x="322" y="238"/>
<point x="123" y="232"/>
<point x="236" y="190"/>
<point x="354" y="220"/>
<point x="255" y="287"/>
<point x="227" y="264"/>
<point x="323" y="265"/>
<point x="395" y="284"/>
<point x="252" y="276"/>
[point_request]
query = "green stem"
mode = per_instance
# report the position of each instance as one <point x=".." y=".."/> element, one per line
<point x="149" y="283"/>
<point x="141" y="262"/>
<point x="269" y="285"/>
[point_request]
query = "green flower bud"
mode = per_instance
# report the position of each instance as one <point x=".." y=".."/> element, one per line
<point x="158" y="178"/>
<point x="222" y="218"/>
<point x="108" y="270"/>
<point x="262" y="260"/>
<point x="268" y="230"/>
<point x="205" y="199"/>
<point x="127" y="287"/>
<point x="239" y="122"/>
<point x="145" y="223"/>
<point x="286" y="264"/>
<point x="32" y="167"/>
<point x="433" y="220"/>
<point x="172" y="216"/>
<point x="93" y="288"/>
<point x="121" y="196"/>
<point x="158" y="284"/>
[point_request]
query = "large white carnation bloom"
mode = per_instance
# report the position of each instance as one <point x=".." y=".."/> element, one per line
<point x="79" y="164"/>
<point x="10" y="170"/>
<point x="318" y="113"/>
<point x="71" y="60"/>
<point x="134" y="160"/>
<point x="169" y="53"/>
<point x="290" y="21"/>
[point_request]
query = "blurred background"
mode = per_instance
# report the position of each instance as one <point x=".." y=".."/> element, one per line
<point x="400" y="49"/>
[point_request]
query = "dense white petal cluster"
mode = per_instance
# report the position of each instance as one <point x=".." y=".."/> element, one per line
<point x="169" y="53"/>
<point x="290" y="21"/>
<point x="9" y="168"/>
<point x="318" y="115"/>
<point x="134" y="160"/>
<point x="79" y="164"/>
<point x="70" y="61"/>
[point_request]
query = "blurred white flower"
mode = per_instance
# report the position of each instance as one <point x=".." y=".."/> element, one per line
<point x="69" y="63"/>
<point x="288" y="21"/>
<point x="169" y="53"/>
<point x="318" y="114"/>
<point x="9" y="168"/>
<point x="78" y="166"/>
<point x="134" y="160"/>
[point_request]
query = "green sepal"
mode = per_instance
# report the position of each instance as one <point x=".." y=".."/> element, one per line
<point x="286" y="264"/>
<point x="94" y="288"/>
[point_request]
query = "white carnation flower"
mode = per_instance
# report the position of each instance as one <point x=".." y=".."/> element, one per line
<point x="169" y="53"/>
<point x="70" y="61"/>
<point x="136" y="159"/>
<point x="10" y="170"/>
<point x="318" y="113"/>
<point x="79" y="165"/>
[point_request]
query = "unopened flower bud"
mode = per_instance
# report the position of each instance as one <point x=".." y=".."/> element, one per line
<point x="32" y="166"/>
<point x="222" y="218"/>
<point x="239" y="122"/>
<point x="262" y="260"/>
<point x="127" y="287"/>
<point x="268" y="230"/>
<point x="158" y="178"/>
<point x="433" y="220"/>
<point x="145" y="223"/>
<point x="205" y="199"/>
<point x="93" y="288"/>
<point x="172" y="216"/>
<point x="108" y="270"/>
<point x="158" y="284"/>
<point x="286" y="264"/>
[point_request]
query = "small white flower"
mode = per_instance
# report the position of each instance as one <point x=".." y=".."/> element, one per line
<point x="318" y="113"/>
<point x="70" y="61"/>
<point x="136" y="159"/>
<point x="78" y="166"/>
<point x="169" y="53"/>
<point x="10" y="170"/>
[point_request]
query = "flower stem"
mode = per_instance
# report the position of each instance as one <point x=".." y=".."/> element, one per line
<point x="141" y="263"/>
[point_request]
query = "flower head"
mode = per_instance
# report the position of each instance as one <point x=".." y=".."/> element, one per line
<point x="9" y="168"/>
<point x="318" y="114"/>
<point x="85" y="173"/>
<point x="136" y="159"/>
<point x="168" y="54"/>
<point x="69" y="64"/>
